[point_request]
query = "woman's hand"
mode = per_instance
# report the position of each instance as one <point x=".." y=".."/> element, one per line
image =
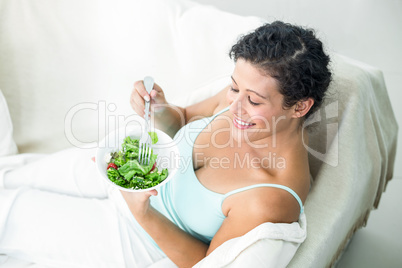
<point x="138" y="203"/>
<point x="139" y="95"/>
<point x="182" y="248"/>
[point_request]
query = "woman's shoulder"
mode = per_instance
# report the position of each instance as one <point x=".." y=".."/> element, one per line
<point x="222" y="101"/>
<point x="207" y="107"/>
<point x="273" y="199"/>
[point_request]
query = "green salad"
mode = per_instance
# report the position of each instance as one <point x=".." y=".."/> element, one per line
<point x="124" y="169"/>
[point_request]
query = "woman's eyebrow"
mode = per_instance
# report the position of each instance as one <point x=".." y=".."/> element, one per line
<point x="250" y="90"/>
<point x="258" y="94"/>
<point x="233" y="80"/>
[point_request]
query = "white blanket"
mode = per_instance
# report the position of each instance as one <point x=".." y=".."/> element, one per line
<point x="268" y="245"/>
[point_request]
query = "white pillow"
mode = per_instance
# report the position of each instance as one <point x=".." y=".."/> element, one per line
<point x="7" y="144"/>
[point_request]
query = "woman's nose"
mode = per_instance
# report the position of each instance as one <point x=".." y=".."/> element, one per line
<point x="236" y="107"/>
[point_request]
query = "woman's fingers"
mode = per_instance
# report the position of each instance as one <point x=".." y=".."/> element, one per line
<point x="139" y="95"/>
<point x="153" y="192"/>
<point x="157" y="95"/>
<point x="140" y="88"/>
<point x="158" y="101"/>
<point x="137" y="98"/>
<point x="139" y="200"/>
<point x="137" y="103"/>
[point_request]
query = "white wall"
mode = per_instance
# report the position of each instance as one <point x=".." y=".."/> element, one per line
<point x="367" y="30"/>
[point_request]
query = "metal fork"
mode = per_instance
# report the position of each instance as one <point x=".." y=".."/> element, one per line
<point x="145" y="150"/>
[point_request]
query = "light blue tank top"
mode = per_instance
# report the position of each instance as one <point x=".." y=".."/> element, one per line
<point x="185" y="201"/>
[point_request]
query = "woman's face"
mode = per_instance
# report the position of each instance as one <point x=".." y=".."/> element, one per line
<point x="256" y="106"/>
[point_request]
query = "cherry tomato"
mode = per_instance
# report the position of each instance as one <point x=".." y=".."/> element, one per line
<point x="153" y="167"/>
<point x="112" y="165"/>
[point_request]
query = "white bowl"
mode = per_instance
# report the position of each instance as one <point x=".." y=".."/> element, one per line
<point x="165" y="148"/>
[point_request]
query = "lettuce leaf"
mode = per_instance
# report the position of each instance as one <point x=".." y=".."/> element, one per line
<point x="154" y="137"/>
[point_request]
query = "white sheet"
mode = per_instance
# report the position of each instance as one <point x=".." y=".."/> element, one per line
<point x="268" y="245"/>
<point x="56" y="211"/>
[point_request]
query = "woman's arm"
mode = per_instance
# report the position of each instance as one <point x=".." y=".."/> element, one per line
<point x="167" y="117"/>
<point x="183" y="249"/>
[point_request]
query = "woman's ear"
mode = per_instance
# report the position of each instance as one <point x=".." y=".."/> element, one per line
<point x="302" y="108"/>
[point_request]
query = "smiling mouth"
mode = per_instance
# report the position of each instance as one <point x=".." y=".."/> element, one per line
<point x="241" y="124"/>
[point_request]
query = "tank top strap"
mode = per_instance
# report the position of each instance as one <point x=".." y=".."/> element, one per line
<point x="295" y="195"/>
<point x="220" y="112"/>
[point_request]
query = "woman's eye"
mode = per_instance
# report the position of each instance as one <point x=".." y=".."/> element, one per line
<point x="234" y="90"/>
<point x="252" y="103"/>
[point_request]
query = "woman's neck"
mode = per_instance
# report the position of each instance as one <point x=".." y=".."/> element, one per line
<point x="282" y="143"/>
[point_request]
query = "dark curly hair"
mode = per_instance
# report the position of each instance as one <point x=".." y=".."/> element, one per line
<point x="293" y="56"/>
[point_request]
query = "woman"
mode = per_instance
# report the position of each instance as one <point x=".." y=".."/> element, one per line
<point x="249" y="166"/>
<point x="280" y="78"/>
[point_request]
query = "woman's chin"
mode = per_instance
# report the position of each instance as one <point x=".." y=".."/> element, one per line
<point x="242" y="136"/>
<point x="253" y="137"/>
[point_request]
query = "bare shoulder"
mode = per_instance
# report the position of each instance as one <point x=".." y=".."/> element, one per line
<point x="222" y="100"/>
<point x="274" y="198"/>
<point x="248" y="209"/>
<point x="265" y="204"/>
<point x="245" y="210"/>
<point x="207" y="107"/>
